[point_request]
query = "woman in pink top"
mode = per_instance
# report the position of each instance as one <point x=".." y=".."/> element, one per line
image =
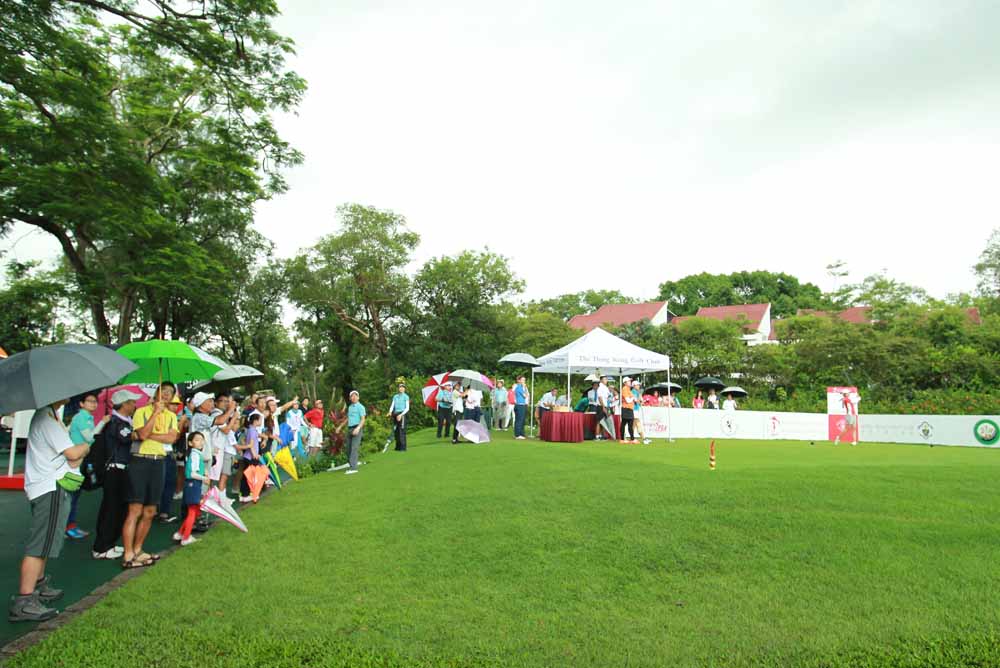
<point x="698" y="402"/>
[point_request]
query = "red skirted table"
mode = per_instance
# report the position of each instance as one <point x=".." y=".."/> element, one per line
<point x="562" y="427"/>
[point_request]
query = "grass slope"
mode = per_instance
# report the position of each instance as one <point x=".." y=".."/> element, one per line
<point x="534" y="554"/>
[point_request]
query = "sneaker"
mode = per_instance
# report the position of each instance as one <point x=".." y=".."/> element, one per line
<point x="29" y="609"/>
<point x="519" y="438"/>
<point x="646" y="441"/>
<point x="118" y="551"/>
<point x="246" y="499"/>
<point x="177" y="536"/>
<point x="166" y="519"/>
<point x="178" y="496"/>
<point x="350" y="471"/>
<point x="189" y="540"/>
<point x="47" y="594"/>
<point x="113" y="553"/>
<point x="854" y="443"/>
<point x="76" y="533"/>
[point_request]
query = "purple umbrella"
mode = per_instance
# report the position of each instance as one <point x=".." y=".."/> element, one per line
<point x="473" y="431"/>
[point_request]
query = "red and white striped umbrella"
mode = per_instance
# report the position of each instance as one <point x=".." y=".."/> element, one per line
<point x="430" y="391"/>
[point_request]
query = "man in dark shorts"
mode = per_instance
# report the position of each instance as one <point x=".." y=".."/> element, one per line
<point x="154" y="425"/>
<point x="51" y="474"/>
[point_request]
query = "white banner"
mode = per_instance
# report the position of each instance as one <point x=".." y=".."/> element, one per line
<point x="969" y="430"/>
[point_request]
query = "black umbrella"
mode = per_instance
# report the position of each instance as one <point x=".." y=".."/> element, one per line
<point x="709" y="383"/>
<point x="42" y="376"/>
<point x="663" y="387"/>
<point x="735" y="391"/>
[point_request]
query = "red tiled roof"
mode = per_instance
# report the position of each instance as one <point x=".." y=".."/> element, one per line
<point x="754" y="313"/>
<point x="859" y="315"/>
<point x="616" y="315"/>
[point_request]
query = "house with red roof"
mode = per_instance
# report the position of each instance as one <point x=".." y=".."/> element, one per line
<point x="757" y="319"/>
<point x="615" y="315"/>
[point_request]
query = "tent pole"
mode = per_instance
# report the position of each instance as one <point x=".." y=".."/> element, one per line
<point x="670" y="405"/>
<point x="13" y="449"/>
<point x="569" y="399"/>
<point x="531" y="405"/>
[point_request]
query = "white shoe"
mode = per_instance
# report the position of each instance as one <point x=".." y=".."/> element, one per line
<point x="178" y="495"/>
<point x="350" y="471"/>
<point x="646" y="441"/>
<point x="178" y="536"/>
<point x="189" y="540"/>
<point x="246" y="499"/>
<point x="854" y="443"/>
<point x="105" y="555"/>
<point x="519" y="438"/>
<point x="117" y="551"/>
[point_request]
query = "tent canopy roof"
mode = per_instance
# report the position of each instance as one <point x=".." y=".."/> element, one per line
<point x="603" y="353"/>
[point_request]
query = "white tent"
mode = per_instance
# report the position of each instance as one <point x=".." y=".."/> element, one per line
<point x="604" y="354"/>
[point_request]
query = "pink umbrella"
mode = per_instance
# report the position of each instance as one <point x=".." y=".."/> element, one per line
<point x="104" y="407"/>
<point x="430" y="390"/>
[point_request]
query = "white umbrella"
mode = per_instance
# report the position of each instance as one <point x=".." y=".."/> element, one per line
<point x="473" y="431"/>
<point x="470" y="378"/>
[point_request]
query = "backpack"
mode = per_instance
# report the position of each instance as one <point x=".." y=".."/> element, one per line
<point x="95" y="464"/>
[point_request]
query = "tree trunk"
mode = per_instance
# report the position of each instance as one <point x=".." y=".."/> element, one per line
<point x="126" y="311"/>
<point x="102" y="331"/>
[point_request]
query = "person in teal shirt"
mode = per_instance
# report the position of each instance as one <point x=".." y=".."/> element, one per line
<point x="444" y="401"/>
<point x="398" y="409"/>
<point x="82" y="431"/>
<point x="356" y="416"/>
<point x="499" y="406"/>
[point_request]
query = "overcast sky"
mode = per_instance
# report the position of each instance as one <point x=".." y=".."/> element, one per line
<point x="651" y="139"/>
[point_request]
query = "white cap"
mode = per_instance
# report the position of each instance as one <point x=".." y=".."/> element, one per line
<point x="202" y="397"/>
<point x="121" y="396"/>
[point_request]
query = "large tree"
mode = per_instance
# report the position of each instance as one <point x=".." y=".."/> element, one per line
<point x="133" y="138"/>
<point x="784" y="292"/>
<point x="28" y="305"/>
<point x="356" y="276"/>
<point x="577" y="303"/>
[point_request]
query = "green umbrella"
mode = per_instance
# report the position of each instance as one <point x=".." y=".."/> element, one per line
<point x="175" y="361"/>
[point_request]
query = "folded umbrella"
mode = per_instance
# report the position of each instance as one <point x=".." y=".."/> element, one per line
<point x="41" y="376"/>
<point x="213" y="503"/>
<point x="256" y="476"/>
<point x="473" y="431"/>
<point x="285" y="461"/>
<point x="272" y="468"/>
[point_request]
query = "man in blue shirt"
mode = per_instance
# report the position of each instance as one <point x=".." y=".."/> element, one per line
<point x="398" y="409"/>
<point x="520" y="407"/>
<point x="355" y="429"/>
<point x="444" y="401"/>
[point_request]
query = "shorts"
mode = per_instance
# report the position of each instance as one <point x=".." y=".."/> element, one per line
<point x="315" y="437"/>
<point x="192" y="492"/>
<point x="49" y="513"/>
<point x="851" y="419"/>
<point x="145" y="480"/>
<point x="227" y="463"/>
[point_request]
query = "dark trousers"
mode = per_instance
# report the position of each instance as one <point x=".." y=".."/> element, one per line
<point x="399" y="431"/>
<point x="169" y="483"/>
<point x="627" y="426"/>
<point x="520" y="412"/>
<point x="114" y="508"/>
<point x="444" y="418"/>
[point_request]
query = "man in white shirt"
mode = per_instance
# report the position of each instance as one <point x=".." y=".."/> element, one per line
<point x="605" y="413"/>
<point x="729" y="404"/>
<point x="50" y="475"/>
<point x="473" y="405"/>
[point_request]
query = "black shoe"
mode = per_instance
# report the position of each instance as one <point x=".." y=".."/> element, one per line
<point x="29" y="609"/>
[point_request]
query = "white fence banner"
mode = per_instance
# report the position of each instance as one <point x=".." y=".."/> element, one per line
<point x="969" y="430"/>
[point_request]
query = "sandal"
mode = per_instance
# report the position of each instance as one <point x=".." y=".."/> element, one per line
<point x="135" y="563"/>
<point x="146" y="558"/>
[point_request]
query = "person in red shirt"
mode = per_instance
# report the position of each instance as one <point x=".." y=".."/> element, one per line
<point x="315" y="419"/>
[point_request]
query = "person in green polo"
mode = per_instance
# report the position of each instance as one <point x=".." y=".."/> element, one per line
<point x="398" y="409"/>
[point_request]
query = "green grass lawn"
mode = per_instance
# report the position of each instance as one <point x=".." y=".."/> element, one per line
<point x="536" y="554"/>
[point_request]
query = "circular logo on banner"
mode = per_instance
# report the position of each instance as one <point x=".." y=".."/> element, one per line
<point x="925" y="430"/>
<point x="986" y="432"/>
<point x="728" y="426"/>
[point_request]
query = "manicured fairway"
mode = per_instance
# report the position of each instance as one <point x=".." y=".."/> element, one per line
<point x="535" y="554"/>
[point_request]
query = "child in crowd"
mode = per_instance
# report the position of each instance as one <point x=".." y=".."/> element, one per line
<point x="295" y="420"/>
<point x="194" y="476"/>
<point x="250" y="449"/>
